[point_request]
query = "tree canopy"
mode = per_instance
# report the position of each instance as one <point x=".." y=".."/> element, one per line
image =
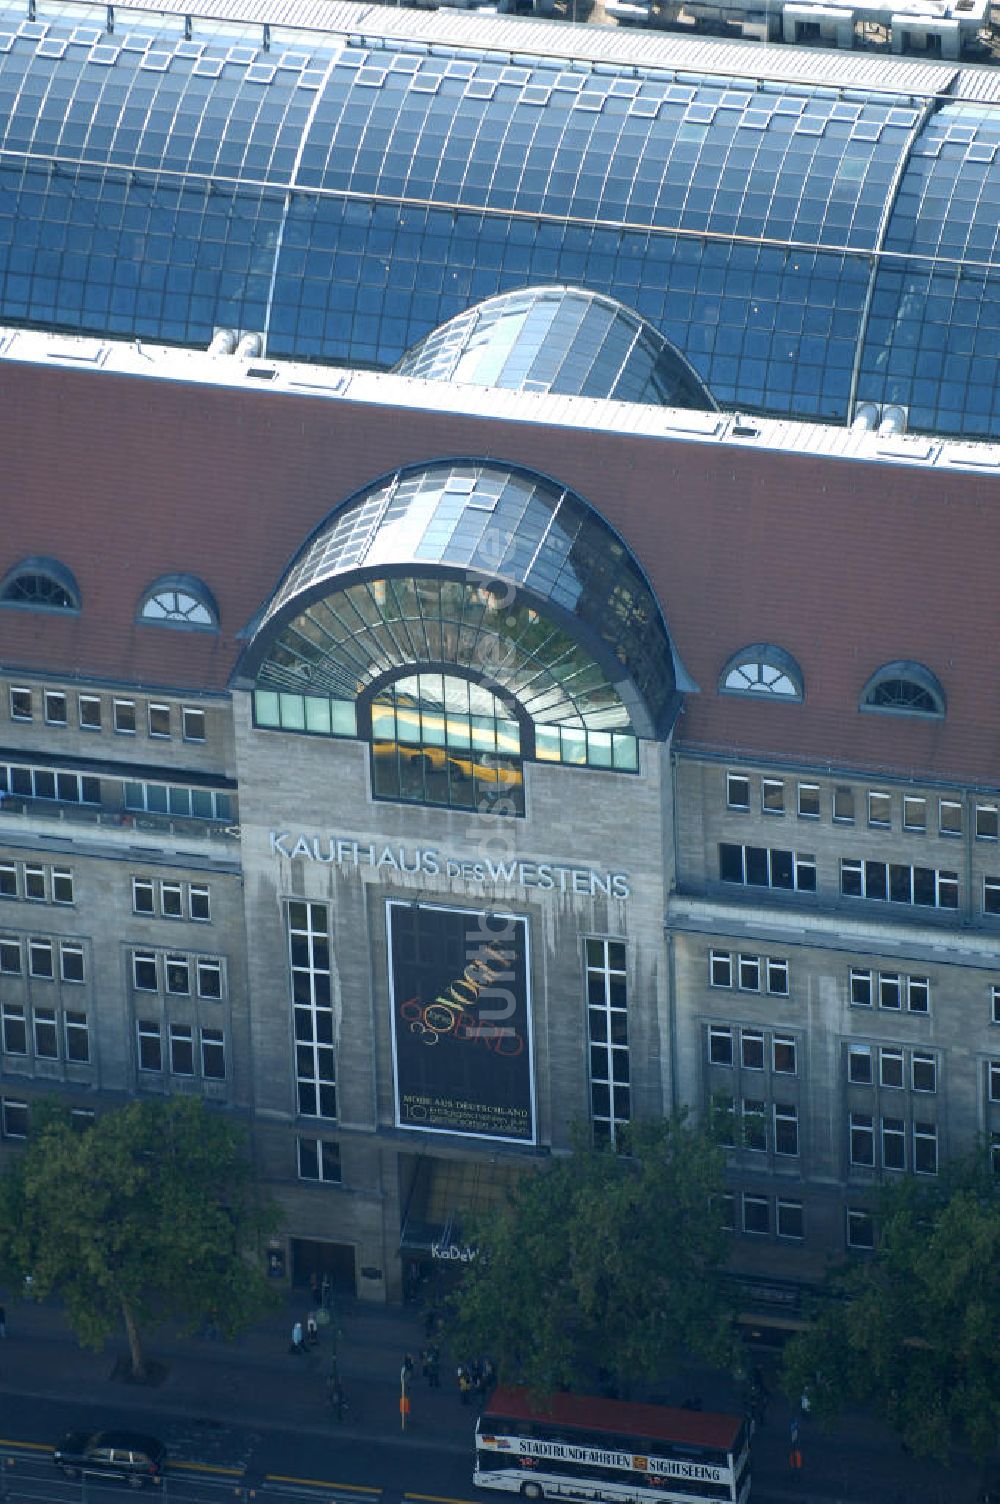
<point x="909" y="1332"/>
<point x="604" y="1267"/>
<point x="147" y="1213"/>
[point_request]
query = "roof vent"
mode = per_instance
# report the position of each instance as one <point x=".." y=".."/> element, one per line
<point x="746" y="428"/>
<point x="866" y="416"/>
<point x="250" y="347"/>
<point x="893" y="420"/>
<point x="223" y="342"/>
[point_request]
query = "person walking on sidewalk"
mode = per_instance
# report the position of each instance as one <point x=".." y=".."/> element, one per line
<point x="433" y="1369"/>
<point x="312" y="1329"/>
<point x="298" y="1346"/>
<point x="464" y="1383"/>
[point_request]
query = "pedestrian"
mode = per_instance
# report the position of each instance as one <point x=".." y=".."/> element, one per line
<point x="312" y="1329"/>
<point x="793" y="1431"/>
<point x="433" y="1368"/>
<point x="407" y="1368"/>
<point x="805" y="1403"/>
<point x="3" y="1322"/>
<point x="464" y="1384"/>
<point x="324" y="1292"/>
<point x="298" y="1346"/>
<point x="489" y="1376"/>
<point x="425" y="1362"/>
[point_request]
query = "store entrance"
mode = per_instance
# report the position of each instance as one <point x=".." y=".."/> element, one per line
<point x="335" y="1260"/>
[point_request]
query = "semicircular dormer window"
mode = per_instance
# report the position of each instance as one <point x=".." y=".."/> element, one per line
<point x="179" y="600"/>
<point x="42" y="584"/>
<point x="904" y="688"/>
<point x="762" y="669"/>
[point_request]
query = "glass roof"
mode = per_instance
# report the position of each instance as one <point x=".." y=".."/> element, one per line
<point x="558" y="339"/>
<point x="495" y="570"/>
<point x="349" y="197"/>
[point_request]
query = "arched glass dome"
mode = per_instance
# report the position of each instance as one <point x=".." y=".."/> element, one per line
<point x="480" y="567"/>
<point x="559" y="339"/>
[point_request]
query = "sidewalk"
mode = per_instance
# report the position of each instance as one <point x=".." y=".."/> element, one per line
<point x="255" y="1383"/>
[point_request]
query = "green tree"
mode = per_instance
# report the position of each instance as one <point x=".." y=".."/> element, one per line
<point x="604" y="1266"/>
<point x="910" y="1332"/>
<point x="148" y="1213"/>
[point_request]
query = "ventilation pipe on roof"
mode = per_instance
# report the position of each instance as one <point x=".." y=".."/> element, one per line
<point x="250" y="346"/>
<point x="223" y="342"/>
<point x="866" y="416"/>
<point x="893" y="420"/>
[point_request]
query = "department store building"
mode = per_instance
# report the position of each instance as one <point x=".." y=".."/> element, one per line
<point x="497" y="587"/>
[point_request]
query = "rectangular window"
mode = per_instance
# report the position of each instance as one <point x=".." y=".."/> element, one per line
<point x="947" y="890"/>
<point x="20" y="704"/>
<point x="150" y="1046"/>
<point x="55" y="708"/>
<point x="124" y="717"/>
<point x="918" y="994"/>
<point x="46" y="1041"/>
<point x="993" y="1080"/>
<point x="171" y="900"/>
<point x="923" y="1071"/>
<point x="995" y="1153"/>
<point x="312" y="1006"/>
<point x="10" y="957"/>
<point x="607" y="1016"/>
<point x="15" y="1034"/>
<point x="749" y="973"/>
<point x="991" y="895"/>
<point x="897" y="883"/>
<point x="720" y="968"/>
<point x="879" y="810"/>
<point x="859" y="1064"/>
<point x="209" y="978"/>
<point x="925" y="1148"/>
<point x="777" y="976"/>
<point x="756" y="1214"/>
<point x="760" y="867"/>
<point x="62" y="885"/>
<point x="994" y="998"/>
<point x="90" y="712"/>
<point x="783" y="1061"/>
<point x="843" y="805"/>
<point x="192" y="724"/>
<point x="808" y="801"/>
<point x="791" y="1220"/>
<point x="77" y="1037"/>
<point x="720" y="1045"/>
<point x="987" y="822"/>
<point x="319" y="1159"/>
<point x="181" y="1050"/>
<point x="890" y="1067"/>
<point x="890" y="990"/>
<point x="213" y="1054"/>
<point x="159" y="720"/>
<point x="144" y="977"/>
<point x="893" y="1144"/>
<point x="726" y="1206"/>
<point x="754" y="1124"/>
<point x="737" y="791"/>
<point x="772" y="796"/>
<point x="143" y="901"/>
<point x="14" y="1118"/>
<point x="71" y="961"/>
<point x="35" y="886"/>
<point x="752" y="1050"/>
<point x="949" y="817"/>
<point x="198" y="902"/>
<point x="862" y="1139"/>
<point x="860" y="1229"/>
<point x="723" y="1120"/>
<point x="8" y="879"/>
<point x="914" y="812"/>
<point x="861" y="988"/>
<point x="178" y="974"/>
<point x="786" y="1128"/>
<point x="40" y="958"/>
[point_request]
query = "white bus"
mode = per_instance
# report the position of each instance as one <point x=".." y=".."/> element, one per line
<point x="569" y="1446"/>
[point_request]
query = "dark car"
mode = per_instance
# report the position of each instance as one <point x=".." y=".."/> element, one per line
<point x="115" y="1454"/>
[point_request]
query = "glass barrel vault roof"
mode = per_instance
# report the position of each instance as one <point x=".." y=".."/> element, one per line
<point x="494" y="570"/>
<point x="802" y="246"/>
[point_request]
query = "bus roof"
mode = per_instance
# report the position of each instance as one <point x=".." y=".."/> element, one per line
<point x="589" y="1413"/>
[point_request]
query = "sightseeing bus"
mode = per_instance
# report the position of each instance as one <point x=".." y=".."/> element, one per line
<point x="568" y="1446"/>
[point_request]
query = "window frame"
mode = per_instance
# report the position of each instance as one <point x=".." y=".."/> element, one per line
<point x="17" y="715"/>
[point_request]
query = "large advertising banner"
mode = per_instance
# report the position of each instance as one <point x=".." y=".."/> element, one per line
<point x="461" y="1021"/>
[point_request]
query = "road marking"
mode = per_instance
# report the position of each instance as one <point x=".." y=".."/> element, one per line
<point x="208" y="1467"/>
<point x="436" y="1499"/>
<point x="348" y="1488"/>
<point x="28" y="1446"/>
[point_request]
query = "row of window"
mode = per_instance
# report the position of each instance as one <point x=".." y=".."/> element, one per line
<point x="171" y="899"/>
<point x="898" y="688"/>
<point x="753" y="1048"/>
<point x="760" y="1215"/>
<point x="189" y="1052"/>
<point x="93" y="713"/>
<point x="891" y="1140"/>
<point x="758" y="1125"/>
<point x="44" y="584"/>
<point x="42" y="956"/>
<point x="748" y="973"/>
<point x="890" y="989"/>
<point x="917" y="813"/>
<point x="43" y="1030"/>
<point x="178" y="974"/>
<point x="891" y="1062"/>
<point x="50" y="784"/>
<point x="36" y="882"/>
<point x="888" y="882"/>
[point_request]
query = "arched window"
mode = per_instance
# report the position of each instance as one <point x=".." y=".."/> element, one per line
<point x="904" y="688"/>
<point x="44" y="584"/>
<point x="179" y="600"/>
<point x="762" y="669"/>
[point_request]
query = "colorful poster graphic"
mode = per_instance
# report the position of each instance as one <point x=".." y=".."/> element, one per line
<point x="461" y="1021"/>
